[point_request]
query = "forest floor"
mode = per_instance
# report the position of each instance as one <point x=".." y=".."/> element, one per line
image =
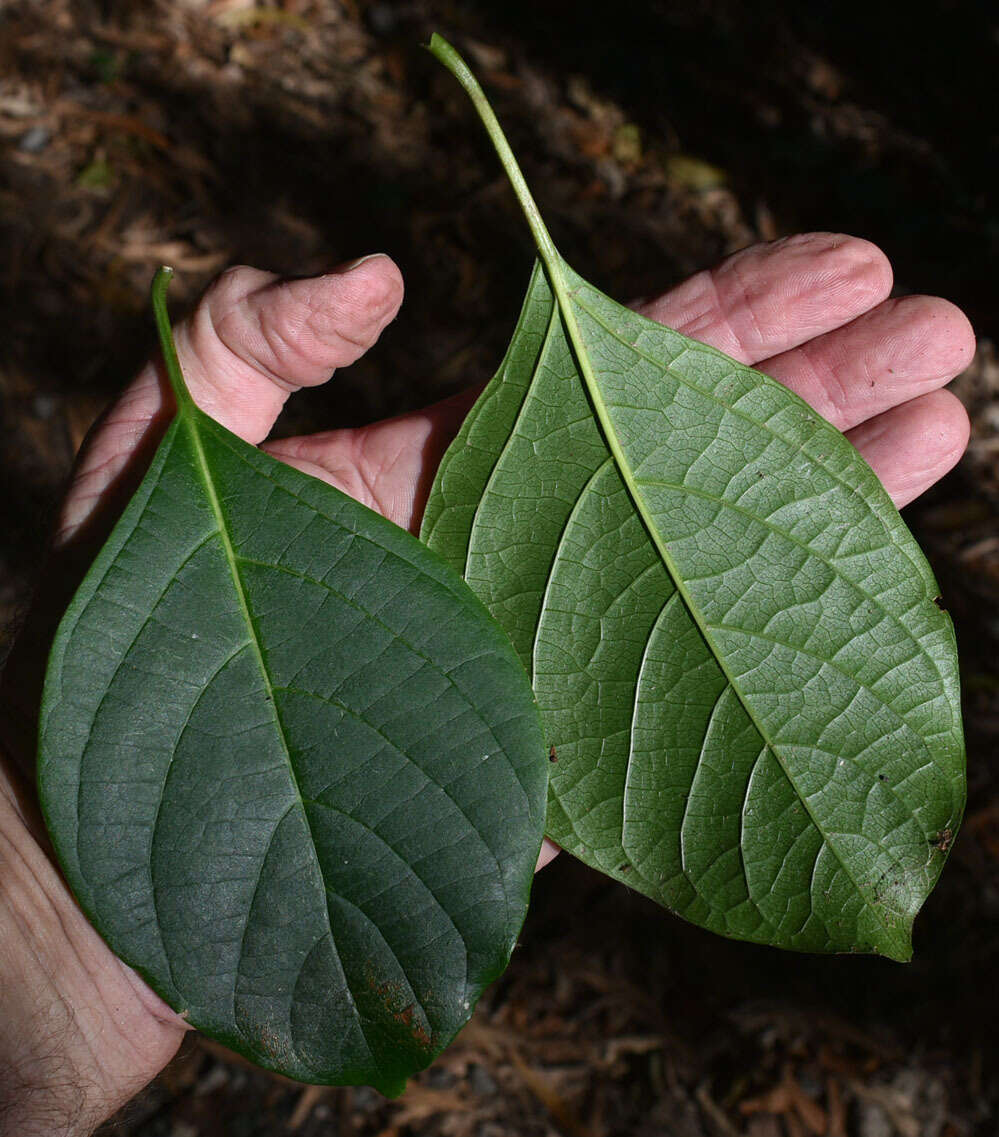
<point x="294" y="134"/>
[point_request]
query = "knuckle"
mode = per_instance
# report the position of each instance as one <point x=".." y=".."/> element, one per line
<point x="228" y="291"/>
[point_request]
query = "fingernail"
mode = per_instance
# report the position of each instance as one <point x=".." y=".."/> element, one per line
<point x="349" y="266"/>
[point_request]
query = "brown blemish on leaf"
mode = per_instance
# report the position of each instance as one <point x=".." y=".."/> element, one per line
<point x="552" y="756"/>
<point x="943" y="840"/>
<point x="273" y="1047"/>
<point x="391" y="994"/>
<point x="405" y="1017"/>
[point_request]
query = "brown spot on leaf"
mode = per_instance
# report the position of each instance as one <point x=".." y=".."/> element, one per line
<point x="391" y="994"/>
<point x="943" y="840"/>
<point x="405" y="1017"/>
<point x="273" y="1047"/>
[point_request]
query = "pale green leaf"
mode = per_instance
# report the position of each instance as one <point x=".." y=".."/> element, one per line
<point x="734" y="640"/>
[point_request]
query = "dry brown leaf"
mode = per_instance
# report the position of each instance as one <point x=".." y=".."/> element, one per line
<point x="562" y="1113"/>
<point x="837" y="1109"/>
<point x="419" y="1103"/>
<point x="714" y="1112"/>
<point x="309" y="1098"/>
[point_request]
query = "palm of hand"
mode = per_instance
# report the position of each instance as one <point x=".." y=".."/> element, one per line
<point x="811" y="311"/>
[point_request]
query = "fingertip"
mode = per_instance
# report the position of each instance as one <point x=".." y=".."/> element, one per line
<point x="334" y="318"/>
<point x="938" y="426"/>
<point x="914" y="445"/>
<point x="372" y="283"/>
<point x="894" y="352"/>
<point x="871" y="265"/>
<point x="947" y="337"/>
<point x="955" y="413"/>
<point x="297" y="331"/>
<point x="874" y="277"/>
<point x="847" y="275"/>
<point x="769" y="298"/>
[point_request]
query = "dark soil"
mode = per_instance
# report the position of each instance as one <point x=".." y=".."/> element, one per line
<point x="293" y="135"/>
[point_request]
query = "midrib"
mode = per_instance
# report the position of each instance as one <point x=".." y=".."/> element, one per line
<point x="191" y="421"/>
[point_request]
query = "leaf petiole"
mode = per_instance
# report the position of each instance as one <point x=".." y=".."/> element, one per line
<point x="446" y="54"/>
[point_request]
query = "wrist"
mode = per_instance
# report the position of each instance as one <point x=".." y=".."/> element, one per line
<point x="79" y="1031"/>
<point x="42" y="1089"/>
<point x="40" y="1102"/>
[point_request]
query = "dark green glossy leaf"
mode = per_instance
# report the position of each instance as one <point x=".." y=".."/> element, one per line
<point x="731" y="633"/>
<point x="293" y="771"/>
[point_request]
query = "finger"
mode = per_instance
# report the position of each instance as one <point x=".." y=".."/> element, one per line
<point x="757" y="302"/>
<point x="769" y="298"/>
<point x="255" y="338"/>
<point x="912" y="446"/>
<point x="897" y="351"/>
<point x="252" y="340"/>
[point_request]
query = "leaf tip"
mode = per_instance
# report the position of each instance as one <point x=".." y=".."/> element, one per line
<point x="391" y="1088"/>
<point x="902" y="954"/>
<point x="897" y="946"/>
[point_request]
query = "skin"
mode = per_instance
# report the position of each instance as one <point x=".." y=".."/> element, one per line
<point x="80" y="1033"/>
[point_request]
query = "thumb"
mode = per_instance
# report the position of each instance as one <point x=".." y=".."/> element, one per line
<point x="252" y="340"/>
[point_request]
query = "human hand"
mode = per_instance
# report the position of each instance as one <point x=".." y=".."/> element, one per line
<point x="79" y="1031"/>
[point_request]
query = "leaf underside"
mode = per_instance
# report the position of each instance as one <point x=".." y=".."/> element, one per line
<point x="292" y="770"/>
<point x="752" y="695"/>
